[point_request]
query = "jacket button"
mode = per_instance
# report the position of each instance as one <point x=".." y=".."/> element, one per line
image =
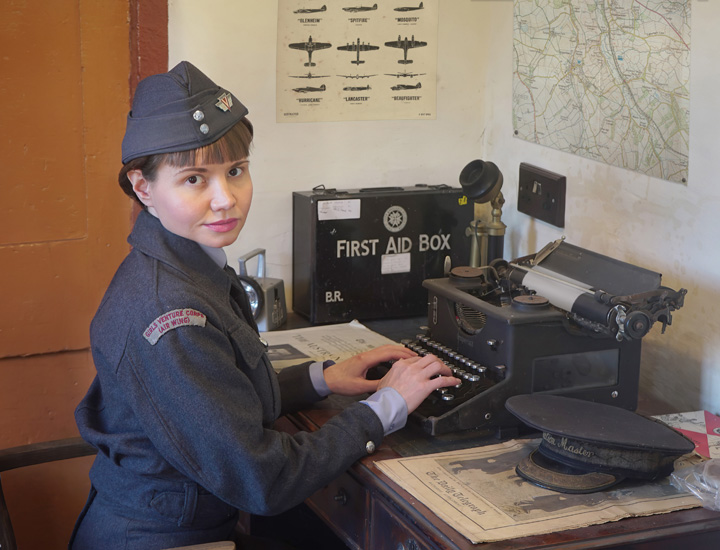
<point x="370" y="447"/>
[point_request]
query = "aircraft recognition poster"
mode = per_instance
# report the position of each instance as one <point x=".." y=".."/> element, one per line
<point x="356" y="60"/>
<point x="606" y="80"/>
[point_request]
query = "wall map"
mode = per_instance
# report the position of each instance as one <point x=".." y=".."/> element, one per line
<point x="606" y="80"/>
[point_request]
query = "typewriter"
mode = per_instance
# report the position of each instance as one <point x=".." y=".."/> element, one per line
<point x="565" y="321"/>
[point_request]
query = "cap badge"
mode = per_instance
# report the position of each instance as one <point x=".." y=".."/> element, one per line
<point x="224" y="102"/>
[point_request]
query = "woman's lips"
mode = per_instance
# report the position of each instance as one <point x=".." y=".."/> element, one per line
<point x="223" y="226"/>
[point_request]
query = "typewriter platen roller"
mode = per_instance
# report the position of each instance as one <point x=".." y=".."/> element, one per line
<point x="565" y="321"/>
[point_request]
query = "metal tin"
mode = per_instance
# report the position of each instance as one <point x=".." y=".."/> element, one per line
<point x="364" y="253"/>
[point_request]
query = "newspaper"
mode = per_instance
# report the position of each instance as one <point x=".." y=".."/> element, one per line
<point x="335" y="342"/>
<point x="477" y="492"/>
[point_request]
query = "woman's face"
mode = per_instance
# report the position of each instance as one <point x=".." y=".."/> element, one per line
<point x="207" y="204"/>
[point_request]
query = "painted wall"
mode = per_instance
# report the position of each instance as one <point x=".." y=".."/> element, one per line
<point x="655" y="224"/>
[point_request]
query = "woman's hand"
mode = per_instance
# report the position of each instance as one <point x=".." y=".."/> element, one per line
<point x="349" y="377"/>
<point x="416" y="377"/>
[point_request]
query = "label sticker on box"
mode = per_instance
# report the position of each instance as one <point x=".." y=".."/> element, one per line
<point x="347" y="209"/>
<point x="395" y="263"/>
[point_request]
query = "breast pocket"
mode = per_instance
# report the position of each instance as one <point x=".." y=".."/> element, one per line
<point x="252" y="360"/>
<point x="247" y="345"/>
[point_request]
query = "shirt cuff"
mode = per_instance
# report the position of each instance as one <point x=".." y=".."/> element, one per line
<point x="318" y="379"/>
<point x="390" y="407"/>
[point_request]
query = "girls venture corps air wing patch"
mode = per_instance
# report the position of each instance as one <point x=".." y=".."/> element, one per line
<point x="171" y="320"/>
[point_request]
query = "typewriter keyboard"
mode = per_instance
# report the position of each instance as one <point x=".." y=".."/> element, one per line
<point x="474" y="377"/>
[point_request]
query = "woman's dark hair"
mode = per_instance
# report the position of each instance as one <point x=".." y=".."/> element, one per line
<point x="234" y="145"/>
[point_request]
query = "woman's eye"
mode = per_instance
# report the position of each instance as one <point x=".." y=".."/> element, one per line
<point x="193" y="180"/>
<point x="235" y="171"/>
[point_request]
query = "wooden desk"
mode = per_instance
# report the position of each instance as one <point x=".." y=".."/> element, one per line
<point x="368" y="510"/>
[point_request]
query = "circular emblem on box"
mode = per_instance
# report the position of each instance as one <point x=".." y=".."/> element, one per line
<point x="395" y="219"/>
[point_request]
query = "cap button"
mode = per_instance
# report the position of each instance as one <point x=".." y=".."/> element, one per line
<point x="198" y="115"/>
<point x="204" y="128"/>
<point x="370" y="447"/>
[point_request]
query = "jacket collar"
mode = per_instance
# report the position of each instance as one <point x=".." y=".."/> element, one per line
<point x="152" y="239"/>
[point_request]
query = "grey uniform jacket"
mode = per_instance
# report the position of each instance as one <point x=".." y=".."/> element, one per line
<point x="182" y="407"/>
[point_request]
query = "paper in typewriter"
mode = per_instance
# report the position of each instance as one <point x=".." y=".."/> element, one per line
<point x="477" y="492"/>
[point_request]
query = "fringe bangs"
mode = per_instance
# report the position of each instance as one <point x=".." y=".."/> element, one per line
<point x="234" y="145"/>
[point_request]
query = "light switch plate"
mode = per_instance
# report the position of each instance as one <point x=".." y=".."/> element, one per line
<point x="541" y="194"/>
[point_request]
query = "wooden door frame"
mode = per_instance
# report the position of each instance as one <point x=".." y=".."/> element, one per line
<point x="148" y="46"/>
<point x="148" y="39"/>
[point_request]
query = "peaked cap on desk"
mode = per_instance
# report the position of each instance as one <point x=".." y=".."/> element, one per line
<point x="177" y="111"/>
<point x="588" y="447"/>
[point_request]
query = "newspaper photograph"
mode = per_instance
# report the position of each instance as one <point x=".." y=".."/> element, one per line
<point x="477" y="492"/>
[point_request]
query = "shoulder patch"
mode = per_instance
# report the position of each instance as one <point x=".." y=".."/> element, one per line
<point x="172" y="320"/>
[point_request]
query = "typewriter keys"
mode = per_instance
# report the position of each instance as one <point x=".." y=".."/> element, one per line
<point x="472" y="375"/>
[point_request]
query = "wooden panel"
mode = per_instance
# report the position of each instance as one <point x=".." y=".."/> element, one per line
<point x="343" y="505"/>
<point x="63" y="219"/>
<point x="51" y="495"/>
<point x="38" y="396"/>
<point x="42" y="124"/>
<point x="389" y="530"/>
<point x="52" y="277"/>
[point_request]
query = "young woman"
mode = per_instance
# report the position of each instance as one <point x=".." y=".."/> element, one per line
<point x="184" y="400"/>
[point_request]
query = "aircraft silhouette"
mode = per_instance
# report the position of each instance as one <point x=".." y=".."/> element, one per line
<point x="356" y="88"/>
<point x="307" y="89"/>
<point x="309" y="75"/>
<point x="410" y="8"/>
<point x="312" y="10"/>
<point x="405" y="45"/>
<point x="358" y="47"/>
<point x="309" y="47"/>
<point x="360" y="8"/>
<point x="404" y="74"/>
<point x="406" y="87"/>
